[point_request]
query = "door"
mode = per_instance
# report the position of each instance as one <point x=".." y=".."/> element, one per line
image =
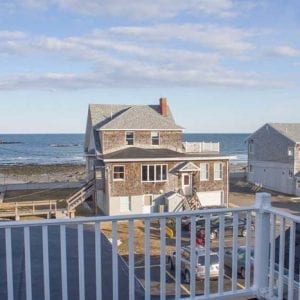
<point x="187" y="187"/>
<point x="147" y="207"/>
<point x="211" y="198"/>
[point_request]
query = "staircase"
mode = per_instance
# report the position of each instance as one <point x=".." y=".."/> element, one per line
<point x="191" y="202"/>
<point x="79" y="197"/>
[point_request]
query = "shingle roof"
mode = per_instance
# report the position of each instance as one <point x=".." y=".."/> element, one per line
<point x="123" y="117"/>
<point x="290" y="130"/>
<point x="141" y="153"/>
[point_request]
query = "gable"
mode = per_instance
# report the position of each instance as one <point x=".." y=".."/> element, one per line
<point x="185" y="167"/>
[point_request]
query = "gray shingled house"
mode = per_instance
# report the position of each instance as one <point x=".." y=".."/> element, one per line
<point x="274" y="157"/>
<point x="136" y="156"/>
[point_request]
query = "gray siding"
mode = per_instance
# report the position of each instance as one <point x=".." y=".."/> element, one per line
<point x="270" y="145"/>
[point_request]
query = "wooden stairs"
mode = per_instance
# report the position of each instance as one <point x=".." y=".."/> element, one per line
<point x="79" y="197"/>
<point x="191" y="202"/>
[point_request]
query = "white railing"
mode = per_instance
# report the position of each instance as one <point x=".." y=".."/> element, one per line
<point x="200" y="147"/>
<point x="80" y="258"/>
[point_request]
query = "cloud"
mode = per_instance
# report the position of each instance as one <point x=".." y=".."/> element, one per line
<point x="227" y="39"/>
<point x="286" y="51"/>
<point x="142" y="9"/>
<point x="5" y="34"/>
<point x="164" y="54"/>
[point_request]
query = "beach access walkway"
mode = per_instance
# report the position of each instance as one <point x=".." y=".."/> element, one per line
<point x="46" y="208"/>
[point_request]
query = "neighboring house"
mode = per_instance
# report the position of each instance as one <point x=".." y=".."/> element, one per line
<point x="136" y="155"/>
<point x="274" y="157"/>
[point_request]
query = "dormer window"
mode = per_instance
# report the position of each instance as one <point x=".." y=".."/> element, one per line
<point x="155" y="138"/>
<point x="129" y="138"/>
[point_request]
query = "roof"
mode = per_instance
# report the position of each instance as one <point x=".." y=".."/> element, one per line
<point x="126" y="117"/>
<point x="185" y="167"/>
<point x="290" y="130"/>
<point x="134" y="153"/>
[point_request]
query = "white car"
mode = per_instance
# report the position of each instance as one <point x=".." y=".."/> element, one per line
<point x="200" y="263"/>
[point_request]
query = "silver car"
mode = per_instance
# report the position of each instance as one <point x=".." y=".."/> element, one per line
<point x="200" y="263"/>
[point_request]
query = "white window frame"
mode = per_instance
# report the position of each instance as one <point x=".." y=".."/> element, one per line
<point x="204" y="167"/>
<point x="161" y="172"/>
<point x="118" y="179"/>
<point x="290" y="151"/>
<point x="218" y="173"/>
<point x="128" y="205"/>
<point x="153" y="136"/>
<point x="131" y="139"/>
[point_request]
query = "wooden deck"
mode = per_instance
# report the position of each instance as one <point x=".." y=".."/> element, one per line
<point x="45" y="208"/>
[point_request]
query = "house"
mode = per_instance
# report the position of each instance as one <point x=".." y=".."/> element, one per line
<point x="274" y="157"/>
<point x="140" y="165"/>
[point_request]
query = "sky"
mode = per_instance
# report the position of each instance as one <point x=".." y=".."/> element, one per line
<point x="224" y="65"/>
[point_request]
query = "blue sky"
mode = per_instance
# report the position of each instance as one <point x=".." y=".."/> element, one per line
<point x="224" y="65"/>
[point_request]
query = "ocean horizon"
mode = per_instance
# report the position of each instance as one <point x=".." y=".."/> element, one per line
<point x="66" y="148"/>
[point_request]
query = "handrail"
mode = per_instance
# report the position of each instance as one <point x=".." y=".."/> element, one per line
<point x="127" y="217"/>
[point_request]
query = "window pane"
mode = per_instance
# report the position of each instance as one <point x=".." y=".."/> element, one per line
<point x="129" y="137"/>
<point x="155" y="137"/>
<point x="204" y="171"/>
<point x="186" y="179"/>
<point x="145" y="173"/>
<point x="164" y="172"/>
<point x="119" y="172"/>
<point x="151" y="173"/>
<point x="158" y="172"/>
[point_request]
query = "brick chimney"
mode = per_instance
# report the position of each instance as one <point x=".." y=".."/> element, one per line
<point x="163" y="106"/>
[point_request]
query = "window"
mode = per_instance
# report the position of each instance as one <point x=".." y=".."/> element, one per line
<point x="251" y="146"/>
<point x="119" y="173"/>
<point x="218" y="171"/>
<point x="153" y="173"/>
<point x="251" y="169"/>
<point x="125" y="204"/>
<point x="204" y="169"/>
<point x="129" y="138"/>
<point x="186" y="180"/>
<point x="155" y="138"/>
<point x="298" y="184"/>
<point x="290" y="151"/>
<point x="291" y="173"/>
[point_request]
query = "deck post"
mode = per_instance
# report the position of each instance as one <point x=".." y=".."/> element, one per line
<point x="262" y="241"/>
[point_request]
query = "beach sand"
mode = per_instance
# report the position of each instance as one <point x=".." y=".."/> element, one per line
<point x="41" y="173"/>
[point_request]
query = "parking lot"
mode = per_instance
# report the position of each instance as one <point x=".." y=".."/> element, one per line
<point x="155" y="269"/>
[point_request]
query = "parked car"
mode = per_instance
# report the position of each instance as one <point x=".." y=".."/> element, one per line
<point x="228" y="227"/>
<point x="200" y="263"/>
<point x="200" y="219"/>
<point x="241" y="260"/>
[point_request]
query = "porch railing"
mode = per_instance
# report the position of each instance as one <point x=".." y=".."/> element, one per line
<point x="201" y="147"/>
<point x="80" y="258"/>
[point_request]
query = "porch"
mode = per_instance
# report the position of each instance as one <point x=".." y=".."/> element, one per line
<point x="201" y="147"/>
<point x="78" y="259"/>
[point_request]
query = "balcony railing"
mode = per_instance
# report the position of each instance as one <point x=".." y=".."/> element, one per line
<point x="82" y="258"/>
<point x="201" y="147"/>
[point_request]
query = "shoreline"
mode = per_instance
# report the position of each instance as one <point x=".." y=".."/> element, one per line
<point x="12" y="174"/>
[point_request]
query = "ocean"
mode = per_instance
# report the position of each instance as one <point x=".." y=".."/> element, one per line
<point x="44" y="149"/>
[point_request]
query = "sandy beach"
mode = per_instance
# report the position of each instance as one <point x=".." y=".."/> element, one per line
<point x="41" y="173"/>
